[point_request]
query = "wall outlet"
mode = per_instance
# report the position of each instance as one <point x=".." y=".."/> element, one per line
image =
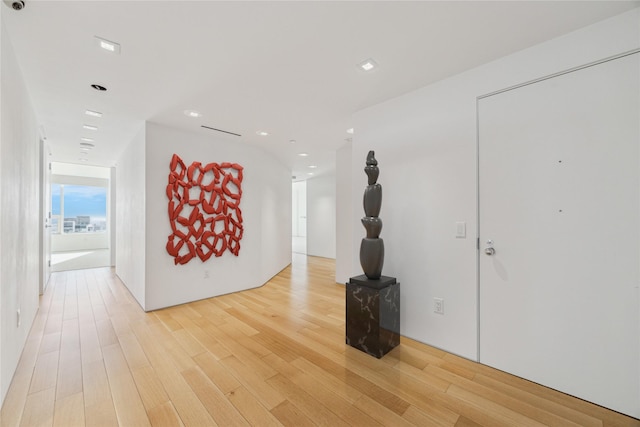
<point x="438" y="305"/>
<point x="18" y="317"/>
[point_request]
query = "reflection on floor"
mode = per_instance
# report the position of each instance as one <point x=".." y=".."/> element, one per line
<point x="63" y="261"/>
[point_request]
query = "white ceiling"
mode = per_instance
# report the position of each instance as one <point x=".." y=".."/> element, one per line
<point x="288" y="68"/>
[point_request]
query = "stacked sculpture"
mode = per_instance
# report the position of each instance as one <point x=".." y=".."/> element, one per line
<point x="372" y="247"/>
<point x="373" y="300"/>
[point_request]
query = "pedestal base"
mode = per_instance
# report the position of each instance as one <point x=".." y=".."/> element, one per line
<point x="373" y="314"/>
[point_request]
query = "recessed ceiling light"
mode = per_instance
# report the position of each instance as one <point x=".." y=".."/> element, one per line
<point x="192" y="113"/>
<point x="309" y="173"/>
<point x="313" y="167"/>
<point x="262" y="133"/>
<point x="368" y="65"/>
<point x="86" y="139"/>
<point x="303" y="154"/>
<point x="93" y="113"/>
<point x="108" y="45"/>
<point x="350" y="131"/>
<point x="90" y="127"/>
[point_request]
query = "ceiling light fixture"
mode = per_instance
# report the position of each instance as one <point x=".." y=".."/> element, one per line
<point x="86" y="139"/>
<point x="93" y="113"/>
<point x="108" y="45"/>
<point x="350" y="131"/>
<point x="15" y="4"/>
<point x="192" y="113"/>
<point x="262" y="133"/>
<point x="292" y="141"/>
<point x="89" y="127"/>
<point x="313" y="167"/>
<point x="309" y="173"/>
<point x="303" y="154"/>
<point x="368" y="65"/>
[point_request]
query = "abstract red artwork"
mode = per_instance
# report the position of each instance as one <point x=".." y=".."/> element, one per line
<point x="204" y="210"/>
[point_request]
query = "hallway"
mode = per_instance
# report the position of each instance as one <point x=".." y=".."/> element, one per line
<point x="274" y="355"/>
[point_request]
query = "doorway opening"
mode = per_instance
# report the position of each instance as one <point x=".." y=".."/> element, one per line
<point x="299" y="217"/>
<point x="80" y="219"/>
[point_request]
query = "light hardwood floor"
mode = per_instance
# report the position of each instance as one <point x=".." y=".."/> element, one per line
<point x="265" y="357"/>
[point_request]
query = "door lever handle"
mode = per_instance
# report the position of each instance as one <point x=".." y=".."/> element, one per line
<point x="489" y="249"/>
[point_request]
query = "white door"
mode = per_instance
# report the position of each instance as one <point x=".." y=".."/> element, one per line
<point x="559" y="199"/>
<point x="45" y="215"/>
<point x="300" y="209"/>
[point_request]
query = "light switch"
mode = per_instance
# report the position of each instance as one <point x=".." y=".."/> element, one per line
<point x="461" y="230"/>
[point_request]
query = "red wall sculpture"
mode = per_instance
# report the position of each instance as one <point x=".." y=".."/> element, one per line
<point x="204" y="210"/>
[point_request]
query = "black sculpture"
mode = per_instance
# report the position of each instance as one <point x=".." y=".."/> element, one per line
<point x="372" y="247"/>
<point x="372" y="300"/>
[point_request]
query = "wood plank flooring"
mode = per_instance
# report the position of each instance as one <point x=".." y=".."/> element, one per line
<point x="265" y="357"/>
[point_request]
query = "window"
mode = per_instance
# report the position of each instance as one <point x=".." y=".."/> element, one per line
<point x="78" y="208"/>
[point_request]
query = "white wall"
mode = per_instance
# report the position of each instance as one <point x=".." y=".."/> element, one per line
<point x="425" y="143"/>
<point x="321" y="216"/>
<point x="2" y="61"/>
<point x="65" y="242"/>
<point x="345" y="218"/>
<point x="19" y="213"/>
<point x="266" y="210"/>
<point x="130" y="217"/>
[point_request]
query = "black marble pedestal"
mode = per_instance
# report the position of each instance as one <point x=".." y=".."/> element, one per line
<point x="373" y="314"/>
